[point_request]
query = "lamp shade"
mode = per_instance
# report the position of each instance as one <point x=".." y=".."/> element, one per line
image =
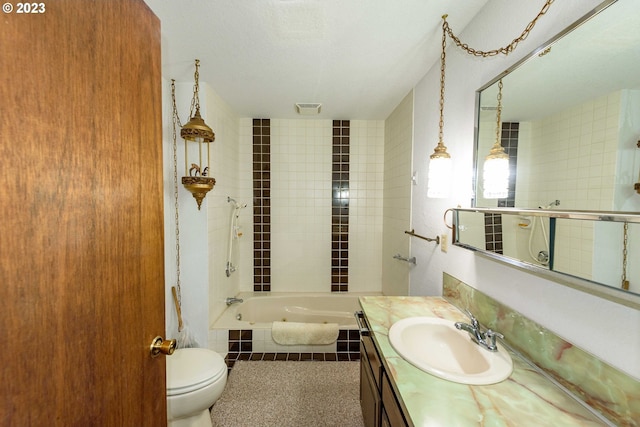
<point x="495" y="178"/>
<point x="439" y="179"/>
<point x="197" y="130"/>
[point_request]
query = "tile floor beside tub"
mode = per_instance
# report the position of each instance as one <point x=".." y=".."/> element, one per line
<point x="257" y="345"/>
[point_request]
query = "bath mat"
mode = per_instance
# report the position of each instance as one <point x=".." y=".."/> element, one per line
<point x="290" y="394"/>
<point x="294" y="333"/>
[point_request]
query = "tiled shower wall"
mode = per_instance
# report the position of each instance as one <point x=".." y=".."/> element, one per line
<point x="298" y="244"/>
<point x="581" y="175"/>
<point x="398" y="156"/>
<point x="572" y="155"/>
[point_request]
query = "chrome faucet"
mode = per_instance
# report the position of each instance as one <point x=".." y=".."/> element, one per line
<point x="486" y="339"/>
<point x="233" y="300"/>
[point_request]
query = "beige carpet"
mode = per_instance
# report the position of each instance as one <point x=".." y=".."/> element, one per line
<point x="290" y="394"/>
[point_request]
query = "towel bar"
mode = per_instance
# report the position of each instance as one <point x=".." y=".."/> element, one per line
<point x="428" y="239"/>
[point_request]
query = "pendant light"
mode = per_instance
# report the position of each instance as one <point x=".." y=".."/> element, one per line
<point x="496" y="168"/>
<point x="440" y="167"/>
<point x="495" y="173"/>
<point x="198" y="181"/>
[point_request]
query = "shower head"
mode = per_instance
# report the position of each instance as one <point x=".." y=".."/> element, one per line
<point x="236" y="205"/>
<point x="550" y="205"/>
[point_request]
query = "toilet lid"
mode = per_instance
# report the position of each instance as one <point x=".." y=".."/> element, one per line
<point x="192" y="368"/>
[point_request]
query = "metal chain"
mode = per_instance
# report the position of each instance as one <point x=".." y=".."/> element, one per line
<point x="195" y="100"/>
<point x="499" y="111"/>
<point x="503" y="50"/>
<point x="176" y="124"/>
<point x="443" y="57"/>
<point x="625" y="243"/>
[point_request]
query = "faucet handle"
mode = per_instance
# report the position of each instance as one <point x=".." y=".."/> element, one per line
<point x="474" y="321"/>
<point x="492" y="335"/>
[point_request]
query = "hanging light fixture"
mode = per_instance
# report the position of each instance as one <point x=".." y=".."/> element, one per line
<point x="495" y="173"/>
<point x="440" y="167"/>
<point x="197" y="181"/>
<point x="496" y="178"/>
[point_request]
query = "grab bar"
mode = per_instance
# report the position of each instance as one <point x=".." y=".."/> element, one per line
<point x="411" y="260"/>
<point x="428" y="239"/>
<point x="364" y="330"/>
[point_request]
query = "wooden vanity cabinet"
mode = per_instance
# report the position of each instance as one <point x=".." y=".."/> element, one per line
<point x="377" y="399"/>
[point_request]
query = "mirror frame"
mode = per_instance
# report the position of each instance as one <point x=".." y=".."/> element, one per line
<point x="616" y="295"/>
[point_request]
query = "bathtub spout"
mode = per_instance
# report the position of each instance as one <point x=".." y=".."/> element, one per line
<point x="233" y="300"/>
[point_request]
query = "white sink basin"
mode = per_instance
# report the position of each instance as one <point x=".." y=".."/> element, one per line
<point x="435" y="346"/>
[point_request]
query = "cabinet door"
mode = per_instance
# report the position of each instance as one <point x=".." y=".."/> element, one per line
<point x="369" y="394"/>
<point x="391" y="412"/>
<point x="384" y="419"/>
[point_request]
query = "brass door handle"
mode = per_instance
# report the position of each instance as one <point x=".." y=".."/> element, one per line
<point x="162" y="346"/>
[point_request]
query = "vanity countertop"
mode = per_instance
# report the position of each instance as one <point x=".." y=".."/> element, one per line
<point x="526" y="398"/>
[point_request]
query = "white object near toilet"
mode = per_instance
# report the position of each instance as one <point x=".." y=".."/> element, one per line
<point x="195" y="380"/>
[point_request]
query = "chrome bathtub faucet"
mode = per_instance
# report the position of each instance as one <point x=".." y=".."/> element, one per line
<point x="486" y="339"/>
<point x="233" y="300"/>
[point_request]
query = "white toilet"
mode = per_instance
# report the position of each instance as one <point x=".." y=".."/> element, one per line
<point x="195" y="380"/>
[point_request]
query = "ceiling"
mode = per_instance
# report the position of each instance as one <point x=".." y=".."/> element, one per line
<point x="358" y="58"/>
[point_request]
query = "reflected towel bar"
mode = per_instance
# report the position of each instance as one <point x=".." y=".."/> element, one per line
<point x="428" y="239"/>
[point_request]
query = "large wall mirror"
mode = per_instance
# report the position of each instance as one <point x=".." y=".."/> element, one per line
<point x="571" y="127"/>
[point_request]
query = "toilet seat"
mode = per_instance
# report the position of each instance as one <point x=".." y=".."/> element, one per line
<point x="190" y="369"/>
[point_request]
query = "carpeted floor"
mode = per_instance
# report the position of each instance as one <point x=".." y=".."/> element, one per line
<point x="290" y="394"/>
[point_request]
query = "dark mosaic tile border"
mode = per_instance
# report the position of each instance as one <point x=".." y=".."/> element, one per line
<point x="493" y="232"/>
<point x="241" y="348"/>
<point x="232" y="358"/>
<point x="261" y="205"/>
<point x="340" y="206"/>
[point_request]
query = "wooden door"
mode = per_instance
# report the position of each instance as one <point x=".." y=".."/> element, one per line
<point x="81" y="228"/>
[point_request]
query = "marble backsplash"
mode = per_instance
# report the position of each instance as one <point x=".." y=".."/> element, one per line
<point x="606" y="389"/>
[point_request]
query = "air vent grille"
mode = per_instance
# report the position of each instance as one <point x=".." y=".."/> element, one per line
<point x="308" y="108"/>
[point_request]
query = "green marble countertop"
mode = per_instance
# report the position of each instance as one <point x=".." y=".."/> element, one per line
<point x="526" y="398"/>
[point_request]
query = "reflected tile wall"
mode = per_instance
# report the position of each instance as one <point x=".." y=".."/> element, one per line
<point x="509" y="141"/>
<point x="606" y="389"/>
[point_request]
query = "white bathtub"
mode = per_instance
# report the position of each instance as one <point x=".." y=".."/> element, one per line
<point x="259" y="310"/>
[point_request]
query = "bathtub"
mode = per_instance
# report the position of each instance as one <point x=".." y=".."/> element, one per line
<point x="259" y="310"/>
<point x="246" y="327"/>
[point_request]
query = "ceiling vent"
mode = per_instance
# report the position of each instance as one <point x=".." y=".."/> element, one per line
<point x="308" y="109"/>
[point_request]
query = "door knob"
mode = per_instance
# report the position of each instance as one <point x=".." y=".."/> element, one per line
<point x="162" y="346"/>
